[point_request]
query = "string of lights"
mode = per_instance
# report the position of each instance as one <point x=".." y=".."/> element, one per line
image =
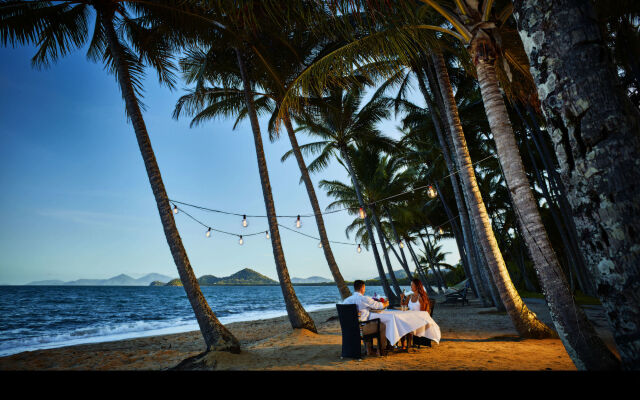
<point x="176" y="210"/>
<point x="431" y="192"/>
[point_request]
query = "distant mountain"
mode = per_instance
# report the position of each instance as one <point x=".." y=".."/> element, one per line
<point x="246" y="276"/>
<point x="208" y="280"/>
<point x="311" y="279"/>
<point x="120" y="280"/>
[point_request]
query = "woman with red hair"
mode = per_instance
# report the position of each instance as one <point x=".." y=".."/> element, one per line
<point x="417" y="301"/>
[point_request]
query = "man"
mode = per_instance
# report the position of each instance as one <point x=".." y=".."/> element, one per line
<point x="364" y="304"/>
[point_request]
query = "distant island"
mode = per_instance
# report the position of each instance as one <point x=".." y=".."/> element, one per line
<point x="246" y="276"/>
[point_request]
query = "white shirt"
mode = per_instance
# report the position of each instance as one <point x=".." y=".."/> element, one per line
<point x="364" y="304"/>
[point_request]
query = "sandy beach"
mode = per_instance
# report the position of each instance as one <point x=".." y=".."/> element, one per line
<point x="473" y="338"/>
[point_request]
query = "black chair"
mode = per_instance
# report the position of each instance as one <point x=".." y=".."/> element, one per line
<point x="423" y="341"/>
<point x="352" y="331"/>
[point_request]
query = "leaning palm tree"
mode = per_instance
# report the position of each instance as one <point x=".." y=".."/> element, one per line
<point x="57" y="29"/>
<point x="338" y="120"/>
<point x="223" y="28"/>
<point x="279" y="65"/>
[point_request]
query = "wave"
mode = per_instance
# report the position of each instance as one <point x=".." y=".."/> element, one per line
<point x="130" y="330"/>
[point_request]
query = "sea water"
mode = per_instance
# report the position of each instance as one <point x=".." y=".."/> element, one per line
<point x="42" y="317"/>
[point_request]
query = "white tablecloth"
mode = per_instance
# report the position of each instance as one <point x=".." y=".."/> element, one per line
<point x="399" y="323"/>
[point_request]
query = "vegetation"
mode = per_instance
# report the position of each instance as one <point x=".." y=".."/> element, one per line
<point x="529" y="209"/>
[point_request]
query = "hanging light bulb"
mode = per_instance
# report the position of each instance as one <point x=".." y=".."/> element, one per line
<point x="362" y="213"/>
<point x="175" y="209"/>
<point x="401" y="245"/>
<point x="359" y="249"/>
<point x="208" y="234"/>
<point x="431" y="192"/>
<point x="240" y="241"/>
<point x="319" y="245"/>
<point x="266" y="233"/>
<point x="244" y="221"/>
<point x="298" y="223"/>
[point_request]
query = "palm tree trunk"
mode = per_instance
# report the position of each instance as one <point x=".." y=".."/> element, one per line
<point x="525" y="322"/>
<point x="367" y="223"/>
<point x="474" y="267"/>
<point x="326" y="247"/>
<point x="297" y="315"/>
<point x="563" y="204"/>
<point x="216" y="336"/>
<point x="385" y="253"/>
<point x="585" y="347"/>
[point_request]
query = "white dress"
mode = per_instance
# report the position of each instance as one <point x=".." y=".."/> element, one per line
<point x="416" y="307"/>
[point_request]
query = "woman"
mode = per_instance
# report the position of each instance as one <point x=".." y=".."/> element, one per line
<point x="417" y="301"/>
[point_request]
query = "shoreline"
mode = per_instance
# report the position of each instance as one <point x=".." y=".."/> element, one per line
<point x="473" y="338"/>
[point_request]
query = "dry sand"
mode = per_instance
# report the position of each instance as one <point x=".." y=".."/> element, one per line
<point x="473" y="338"/>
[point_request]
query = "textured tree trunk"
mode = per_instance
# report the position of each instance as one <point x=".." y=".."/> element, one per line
<point x="297" y="315"/>
<point x="367" y="223"/>
<point x="216" y="336"/>
<point x="474" y="267"/>
<point x="585" y="347"/>
<point x="595" y="131"/>
<point x="326" y="247"/>
<point x="385" y="253"/>
<point x="525" y="322"/>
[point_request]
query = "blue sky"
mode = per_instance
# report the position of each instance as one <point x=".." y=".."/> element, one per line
<point x="77" y="203"/>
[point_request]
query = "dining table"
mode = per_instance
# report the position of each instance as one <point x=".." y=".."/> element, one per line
<point x="398" y="323"/>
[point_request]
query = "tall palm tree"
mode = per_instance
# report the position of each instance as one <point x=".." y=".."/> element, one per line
<point x="279" y="65"/>
<point x="594" y="128"/>
<point x="62" y="27"/>
<point x="338" y="120"/>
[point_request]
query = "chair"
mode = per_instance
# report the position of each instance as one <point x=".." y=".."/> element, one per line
<point x="459" y="295"/>
<point x="352" y="331"/>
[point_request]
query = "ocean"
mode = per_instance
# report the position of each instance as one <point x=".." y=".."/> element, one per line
<point x="43" y="317"/>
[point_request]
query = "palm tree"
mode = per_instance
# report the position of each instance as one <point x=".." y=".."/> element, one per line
<point x="60" y="28"/>
<point x="338" y="120"/>
<point x="279" y="65"/>
<point x="297" y="315"/>
<point x="594" y="128"/>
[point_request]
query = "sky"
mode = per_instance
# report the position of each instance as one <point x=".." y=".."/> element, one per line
<point x="77" y="202"/>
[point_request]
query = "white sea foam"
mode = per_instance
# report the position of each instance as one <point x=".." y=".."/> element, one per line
<point x="110" y="333"/>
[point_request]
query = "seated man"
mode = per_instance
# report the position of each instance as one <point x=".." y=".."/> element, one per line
<point x="364" y="304"/>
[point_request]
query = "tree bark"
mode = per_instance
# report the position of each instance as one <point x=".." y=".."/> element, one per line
<point x="525" y="322"/>
<point x="216" y="336"/>
<point x="474" y="267"/>
<point x="326" y="246"/>
<point x="595" y="131"/>
<point x="297" y="315"/>
<point x="585" y="347"/>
